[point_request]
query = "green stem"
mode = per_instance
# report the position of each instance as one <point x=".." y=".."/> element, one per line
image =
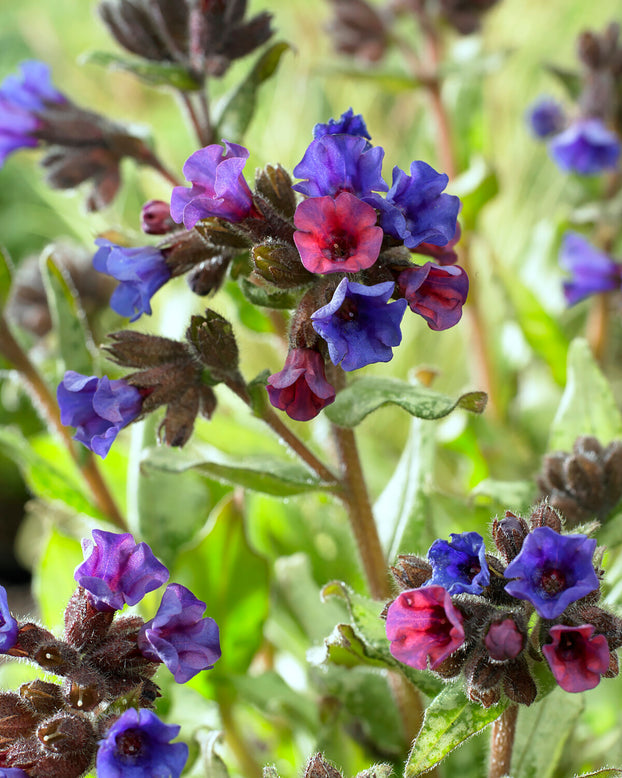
<point x="249" y="766"/>
<point x="48" y="407"/>
<point x="502" y="742"/>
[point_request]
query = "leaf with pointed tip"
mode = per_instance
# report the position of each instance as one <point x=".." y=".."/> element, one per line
<point x="366" y="395"/>
<point x="154" y="73"/>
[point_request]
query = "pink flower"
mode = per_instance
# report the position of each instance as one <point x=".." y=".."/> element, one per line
<point x="436" y="293"/>
<point x="577" y="657"/>
<point x="301" y="388"/>
<point x="337" y="235"/>
<point x="424" y="626"/>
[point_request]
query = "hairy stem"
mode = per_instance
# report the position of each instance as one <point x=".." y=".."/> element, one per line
<point x="202" y="132"/>
<point x="48" y="407"/>
<point x="502" y="742"/>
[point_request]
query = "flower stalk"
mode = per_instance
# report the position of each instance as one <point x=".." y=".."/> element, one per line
<point x="502" y="742"/>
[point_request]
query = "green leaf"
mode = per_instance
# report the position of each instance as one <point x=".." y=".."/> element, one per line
<point x="154" y="73"/>
<point x="475" y="187"/>
<point x="238" y="107"/>
<point x="365" y="395"/>
<point x="258" y="295"/>
<point x="541" y="732"/>
<point x="6" y="274"/>
<point x="587" y="406"/>
<point x="605" y="772"/>
<point x="267" y="474"/>
<point x="385" y="81"/>
<point x="517" y="496"/>
<point x="74" y="339"/>
<point x="449" y="720"/>
<point x="54" y="582"/>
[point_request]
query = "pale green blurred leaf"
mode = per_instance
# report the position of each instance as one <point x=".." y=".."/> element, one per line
<point x="54" y="582"/>
<point x="153" y="73"/>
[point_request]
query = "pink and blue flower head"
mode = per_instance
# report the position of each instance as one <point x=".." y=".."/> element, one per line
<point x="22" y="98"/>
<point x="459" y="565"/>
<point x="337" y="235"/>
<point x="577" y="657"/>
<point x="141" y="271"/>
<point x="424" y="627"/>
<point x="348" y="123"/>
<point x="436" y="293"/>
<point x="340" y="163"/>
<point x="97" y="407"/>
<point x="180" y="636"/>
<point x="552" y="571"/>
<point x="359" y="324"/>
<point x="117" y="571"/>
<point x="218" y="186"/>
<point x="416" y="210"/>
<point x="592" y="271"/>
<point x="546" y="117"/>
<point x="8" y="625"/>
<point x="586" y="147"/>
<point x="300" y="388"/>
<point x="138" y="745"/>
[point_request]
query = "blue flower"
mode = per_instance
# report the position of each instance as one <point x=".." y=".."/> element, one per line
<point x="8" y="625"/>
<point x="116" y="570"/>
<point x="141" y="271"/>
<point x="22" y="98"/>
<point x="359" y="325"/>
<point x="180" y="636"/>
<point x="138" y="745"/>
<point x="592" y="270"/>
<point x="459" y="565"/>
<point x="546" y="117"/>
<point x="340" y="163"/>
<point x="348" y="123"/>
<point x="587" y="147"/>
<point x="415" y="210"/>
<point x="552" y="571"/>
<point x="97" y="407"/>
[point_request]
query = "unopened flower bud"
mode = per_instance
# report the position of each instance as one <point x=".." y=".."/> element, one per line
<point x="544" y="515"/>
<point x="411" y="571"/>
<point x="509" y="534"/>
<point x="208" y="277"/>
<point x="279" y="264"/>
<point x="155" y="218"/>
<point x="275" y="185"/>
<point x="84" y="624"/>
<point x="17" y="719"/>
<point x="43" y="697"/>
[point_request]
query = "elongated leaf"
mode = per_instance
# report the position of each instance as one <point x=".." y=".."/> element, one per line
<point x="6" y="273"/>
<point x="266" y="474"/>
<point x="605" y="772"/>
<point x="238" y="108"/>
<point x="541" y="733"/>
<point x="362" y="397"/>
<point x="449" y="720"/>
<point x="587" y="406"/>
<point x="154" y="73"/>
<point x="75" y="341"/>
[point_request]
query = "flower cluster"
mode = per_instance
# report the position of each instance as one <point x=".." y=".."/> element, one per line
<point x="586" y="140"/>
<point x="105" y="662"/>
<point x="465" y="610"/>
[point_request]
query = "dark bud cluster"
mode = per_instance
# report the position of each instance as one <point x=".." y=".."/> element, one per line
<point x="601" y="57"/>
<point x="465" y="611"/>
<point x="585" y="483"/>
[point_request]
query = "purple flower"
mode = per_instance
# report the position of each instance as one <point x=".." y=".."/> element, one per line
<point x="22" y="97"/>
<point x="97" y="407"/>
<point x="415" y="210"/>
<point x="12" y="772"/>
<point x="504" y="640"/>
<point x="552" y="571"/>
<point x="359" y="325"/>
<point x="592" y="270"/>
<point x="348" y="123"/>
<point x="436" y="293"/>
<point x="546" y="117"/>
<point x="300" y="388"/>
<point x="8" y="625"/>
<point x="117" y="571"/>
<point x="577" y="657"/>
<point x="337" y="235"/>
<point x="179" y="636"/>
<point x="340" y="163"/>
<point x="444" y="255"/>
<point x="138" y="745"/>
<point x="586" y="147"/>
<point x="459" y="565"/>
<point x="218" y="186"/>
<point x="424" y="626"/>
<point x="141" y="271"/>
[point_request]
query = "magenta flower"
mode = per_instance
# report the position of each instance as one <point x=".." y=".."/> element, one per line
<point x="586" y="147"/>
<point x="337" y="235"/>
<point x="218" y="186"/>
<point x="300" y="388"/>
<point x="138" y="745"/>
<point x="424" y="627"/>
<point x="8" y="625"/>
<point x="552" y="571"/>
<point x="179" y="636"/>
<point x="97" y="407"/>
<point x="576" y="656"/>
<point x="117" y="571"/>
<point x="592" y="271"/>
<point x="504" y="640"/>
<point x="436" y="293"/>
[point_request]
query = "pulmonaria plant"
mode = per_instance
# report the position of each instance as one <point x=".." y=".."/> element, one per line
<point x="100" y="710"/>
<point x="591" y="271"/>
<point x="464" y="610"/>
